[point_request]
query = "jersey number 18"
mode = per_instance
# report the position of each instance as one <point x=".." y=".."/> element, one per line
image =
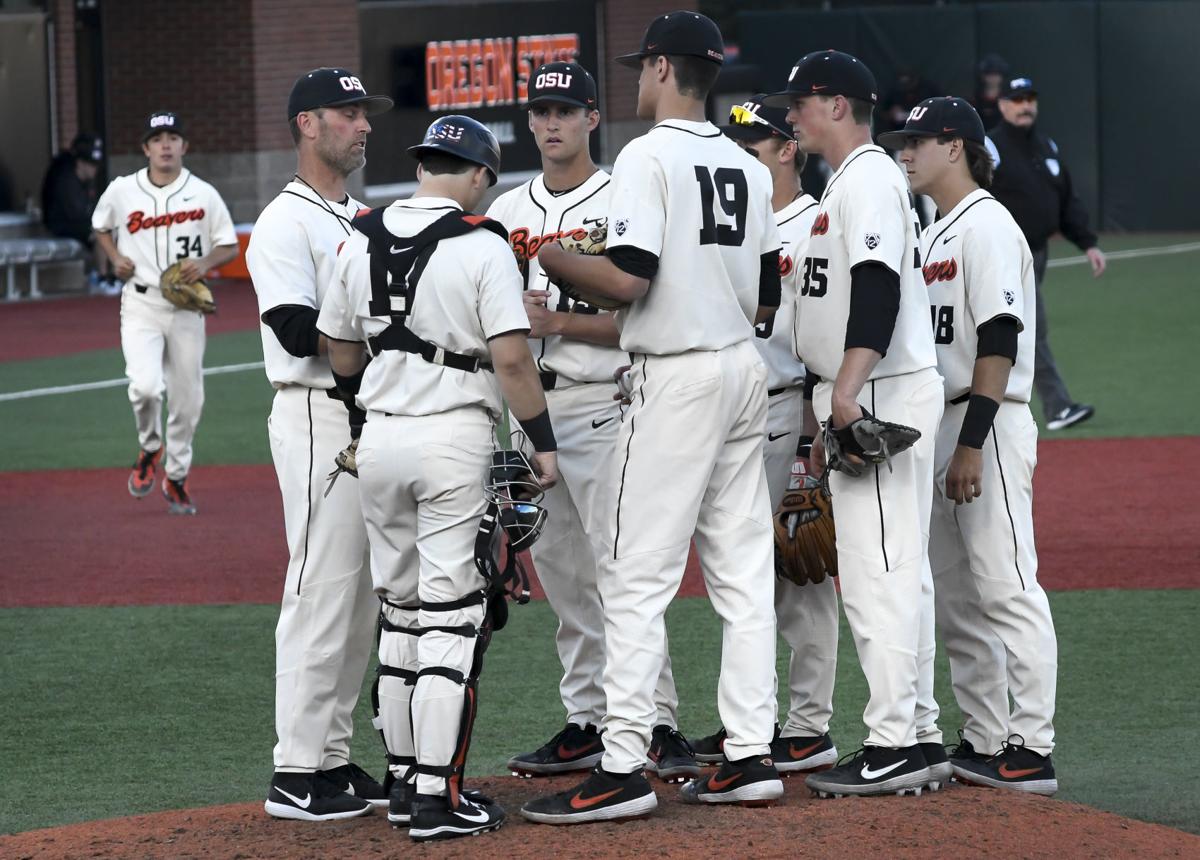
<point x="727" y="186"/>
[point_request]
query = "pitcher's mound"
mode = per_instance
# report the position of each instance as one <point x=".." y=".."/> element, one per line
<point x="957" y="822"/>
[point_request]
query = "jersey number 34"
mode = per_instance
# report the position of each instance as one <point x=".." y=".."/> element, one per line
<point x="726" y="186"/>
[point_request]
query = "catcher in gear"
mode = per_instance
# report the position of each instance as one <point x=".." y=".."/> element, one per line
<point x="186" y="293"/>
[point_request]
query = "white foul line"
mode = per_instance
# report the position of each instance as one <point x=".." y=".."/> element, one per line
<point x="1131" y="254"/>
<point x="116" y="383"/>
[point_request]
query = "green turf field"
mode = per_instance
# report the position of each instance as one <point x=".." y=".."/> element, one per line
<point x="108" y="712"/>
<point x="192" y="723"/>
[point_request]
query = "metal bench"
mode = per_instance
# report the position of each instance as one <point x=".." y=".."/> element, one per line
<point x="34" y="252"/>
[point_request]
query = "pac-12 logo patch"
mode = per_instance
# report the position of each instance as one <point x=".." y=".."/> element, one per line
<point x="1009" y="296"/>
<point x="621" y="226"/>
<point x="872" y="240"/>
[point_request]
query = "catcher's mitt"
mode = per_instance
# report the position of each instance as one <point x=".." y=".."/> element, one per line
<point x="593" y="245"/>
<point x="345" y="461"/>
<point x="805" y="548"/>
<point x="194" y="296"/>
<point x="871" y="440"/>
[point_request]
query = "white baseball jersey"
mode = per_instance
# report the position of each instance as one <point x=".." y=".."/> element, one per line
<point x="534" y="216"/>
<point x="865" y="215"/>
<point x="709" y="236"/>
<point x="977" y="267"/>
<point x="774" y="337"/>
<point x="291" y="258"/>
<point x="156" y="226"/>
<point x="469" y="292"/>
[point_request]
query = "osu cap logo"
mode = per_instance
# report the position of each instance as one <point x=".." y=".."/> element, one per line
<point x="161" y="120"/>
<point x="351" y="84"/>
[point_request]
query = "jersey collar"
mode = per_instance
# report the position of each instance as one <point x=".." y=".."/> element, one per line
<point x="144" y="181"/>
<point x="543" y="198"/>
<point x="795" y="208"/>
<point x="969" y="200"/>
<point x="700" y="129"/>
<point x="853" y="154"/>
<point x="426" y="203"/>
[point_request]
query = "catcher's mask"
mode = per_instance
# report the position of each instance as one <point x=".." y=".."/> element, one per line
<point x="512" y="488"/>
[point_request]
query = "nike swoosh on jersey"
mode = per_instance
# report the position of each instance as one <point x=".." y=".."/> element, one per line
<point x="867" y="773"/>
<point x="303" y="804"/>
<point x="596" y="425"/>
<point x="186" y="199"/>
<point x="771" y="437"/>
<point x="946" y="241"/>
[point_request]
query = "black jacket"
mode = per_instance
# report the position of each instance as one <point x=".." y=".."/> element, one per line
<point x="1035" y="186"/>
<point x="67" y="202"/>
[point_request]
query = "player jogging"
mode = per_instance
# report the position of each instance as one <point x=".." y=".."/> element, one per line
<point x="326" y="617"/>
<point x="576" y="348"/>
<point x="992" y="613"/>
<point x="145" y="222"/>
<point x="861" y="327"/>
<point x="694" y="250"/>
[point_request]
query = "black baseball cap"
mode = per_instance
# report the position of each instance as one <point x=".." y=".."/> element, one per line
<point x="944" y="116"/>
<point x="1018" y="87"/>
<point x="563" y="83"/>
<point x="87" y="147"/>
<point x="683" y="33"/>
<point x="162" y="120"/>
<point x="327" y="87"/>
<point x="827" y="73"/>
<point x="752" y="120"/>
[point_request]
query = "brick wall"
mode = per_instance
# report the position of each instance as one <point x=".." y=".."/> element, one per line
<point x="624" y="23"/>
<point x="62" y="12"/>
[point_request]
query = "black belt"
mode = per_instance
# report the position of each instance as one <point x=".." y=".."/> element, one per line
<point x="140" y="288"/>
<point x="549" y="379"/>
<point x="962" y="399"/>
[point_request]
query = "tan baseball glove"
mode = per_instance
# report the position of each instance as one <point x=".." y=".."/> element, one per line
<point x="194" y="296"/>
<point x="592" y="244"/>
<point x="805" y="542"/>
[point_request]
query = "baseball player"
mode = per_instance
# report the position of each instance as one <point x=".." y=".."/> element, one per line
<point x="433" y="400"/>
<point x="807" y="615"/>
<point x="576" y="349"/>
<point x="145" y="222"/>
<point x="861" y="327"/>
<point x="992" y="613"/>
<point x="326" y="618"/>
<point x="694" y="250"/>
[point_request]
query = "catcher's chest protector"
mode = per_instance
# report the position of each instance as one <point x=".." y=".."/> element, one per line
<point x="397" y="263"/>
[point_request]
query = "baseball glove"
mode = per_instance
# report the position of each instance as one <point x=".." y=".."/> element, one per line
<point x="805" y="548"/>
<point x="345" y="461"/>
<point x="871" y="440"/>
<point x="194" y="296"/>
<point x="593" y="245"/>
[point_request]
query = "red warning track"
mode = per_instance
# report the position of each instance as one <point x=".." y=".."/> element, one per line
<point x="78" y="538"/>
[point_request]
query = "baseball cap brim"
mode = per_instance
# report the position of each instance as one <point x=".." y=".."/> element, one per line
<point x="372" y="104"/>
<point x="1015" y="93"/>
<point x="783" y="98"/>
<point x="899" y="138"/>
<point x="630" y="61"/>
<point x="559" y="100"/>
<point x="748" y="132"/>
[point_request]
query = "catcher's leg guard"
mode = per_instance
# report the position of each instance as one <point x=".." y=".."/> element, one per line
<point x="445" y="700"/>
<point x="395" y="679"/>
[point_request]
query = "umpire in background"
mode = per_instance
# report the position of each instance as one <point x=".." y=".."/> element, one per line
<point x="1035" y="186"/>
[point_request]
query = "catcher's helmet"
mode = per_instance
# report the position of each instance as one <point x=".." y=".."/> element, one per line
<point x="463" y="138"/>
<point x="511" y="486"/>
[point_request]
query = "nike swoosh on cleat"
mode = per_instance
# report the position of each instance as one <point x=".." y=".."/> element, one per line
<point x="303" y="804"/>
<point x="1006" y="772"/>
<point x="476" y="818"/>
<point x="803" y="753"/>
<point x="596" y="425"/>
<point x="581" y="802"/>
<point x="566" y="752"/>
<point x="350" y="789"/>
<point x="867" y="773"/>
<point x="715" y="784"/>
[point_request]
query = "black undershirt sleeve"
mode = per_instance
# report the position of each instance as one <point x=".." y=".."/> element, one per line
<point x="634" y="261"/>
<point x="998" y="336"/>
<point x="295" y="328"/>
<point x="770" y="291"/>
<point x="874" y="306"/>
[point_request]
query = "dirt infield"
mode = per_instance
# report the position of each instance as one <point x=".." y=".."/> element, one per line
<point x="962" y="822"/>
<point x="66" y="326"/>
<point x="1089" y="535"/>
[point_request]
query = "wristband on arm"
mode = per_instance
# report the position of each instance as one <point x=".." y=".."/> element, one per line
<point x="977" y="423"/>
<point x="347" y="392"/>
<point x="539" y="432"/>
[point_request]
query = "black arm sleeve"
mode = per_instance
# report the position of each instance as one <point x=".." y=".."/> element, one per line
<point x="998" y="336"/>
<point x="770" y="291"/>
<point x="874" y="306"/>
<point x="347" y="391"/>
<point x="634" y="261"/>
<point x="1072" y="217"/>
<point x="295" y="328"/>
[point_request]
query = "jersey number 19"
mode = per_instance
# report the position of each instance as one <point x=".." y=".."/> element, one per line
<point x="727" y="186"/>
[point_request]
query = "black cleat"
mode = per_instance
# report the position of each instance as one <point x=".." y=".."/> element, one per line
<point x="803" y="754"/>
<point x="873" y="771"/>
<point x="751" y="781"/>
<point x="1014" y="767"/>
<point x="311" y="797"/>
<point x="710" y="749"/>
<point x="671" y="756"/>
<point x="603" y="796"/>
<point x="573" y="748"/>
<point x="432" y="818"/>
<point x="356" y="782"/>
